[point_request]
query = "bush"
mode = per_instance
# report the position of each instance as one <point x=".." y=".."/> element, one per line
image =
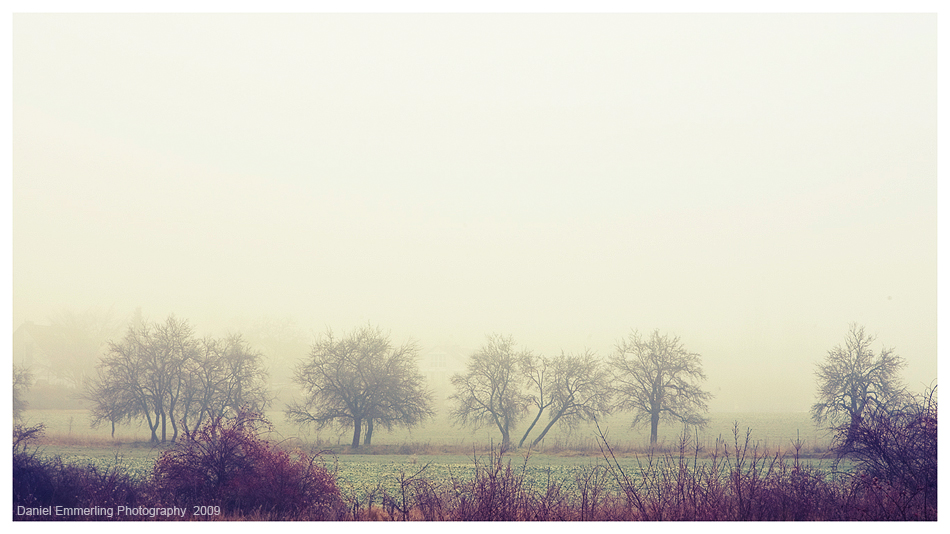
<point x="895" y="451"/>
<point x="497" y="492"/>
<point x="48" y="482"/>
<point x="226" y="463"/>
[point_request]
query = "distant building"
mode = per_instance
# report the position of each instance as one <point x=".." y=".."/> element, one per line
<point x="438" y="364"/>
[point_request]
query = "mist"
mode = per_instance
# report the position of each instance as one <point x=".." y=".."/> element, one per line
<point x="750" y="183"/>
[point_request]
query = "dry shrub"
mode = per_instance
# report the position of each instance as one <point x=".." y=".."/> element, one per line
<point x="496" y="493"/>
<point x="736" y="483"/>
<point x="49" y="482"/>
<point x="226" y="463"/>
<point x="895" y="451"/>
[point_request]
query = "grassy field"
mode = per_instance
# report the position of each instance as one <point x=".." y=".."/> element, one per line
<point x="771" y="431"/>
<point x="736" y="479"/>
<point x="438" y="452"/>
<point x="359" y="475"/>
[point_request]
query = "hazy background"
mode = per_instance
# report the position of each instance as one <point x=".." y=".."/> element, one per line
<point x="752" y="183"/>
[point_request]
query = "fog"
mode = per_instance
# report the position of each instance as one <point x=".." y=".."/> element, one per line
<point x="751" y="183"/>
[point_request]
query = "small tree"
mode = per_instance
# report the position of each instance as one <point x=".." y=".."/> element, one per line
<point x="359" y="379"/>
<point x="112" y="401"/>
<point x="489" y="393"/>
<point x="658" y="380"/>
<point x="852" y="379"/>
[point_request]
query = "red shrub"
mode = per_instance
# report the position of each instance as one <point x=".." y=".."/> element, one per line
<point x="226" y="463"/>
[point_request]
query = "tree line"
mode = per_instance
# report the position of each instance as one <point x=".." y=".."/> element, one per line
<point x="162" y="374"/>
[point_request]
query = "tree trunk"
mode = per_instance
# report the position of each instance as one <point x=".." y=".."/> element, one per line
<point x="530" y="428"/>
<point x="163" y="426"/>
<point x="503" y="428"/>
<point x="357" y="428"/>
<point x="153" y="427"/>
<point x="368" y="440"/>
<point x="654" y="423"/>
<point x="548" y="427"/>
<point x="174" y="427"/>
<point x="505" y="439"/>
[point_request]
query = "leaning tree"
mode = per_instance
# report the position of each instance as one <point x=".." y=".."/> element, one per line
<point x="361" y="379"/>
<point x="570" y="388"/>
<point x="659" y="380"/>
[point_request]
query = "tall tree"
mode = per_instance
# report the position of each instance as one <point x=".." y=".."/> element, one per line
<point x="658" y="380"/>
<point x="576" y="387"/>
<point x="489" y="393"/>
<point x="359" y="380"/>
<point x="853" y="378"/>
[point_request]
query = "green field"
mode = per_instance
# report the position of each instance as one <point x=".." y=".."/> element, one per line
<point x="564" y="456"/>
<point x="362" y="474"/>
<point x="770" y="430"/>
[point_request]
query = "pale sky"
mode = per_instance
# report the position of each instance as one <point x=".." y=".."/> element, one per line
<point x="751" y="183"/>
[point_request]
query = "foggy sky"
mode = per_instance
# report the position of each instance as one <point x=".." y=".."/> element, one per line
<point x="751" y="183"/>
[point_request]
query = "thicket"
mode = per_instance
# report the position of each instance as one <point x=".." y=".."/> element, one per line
<point x="225" y="466"/>
<point x="39" y="481"/>
<point x="738" y="482"/>
<point x="227" y="463"/>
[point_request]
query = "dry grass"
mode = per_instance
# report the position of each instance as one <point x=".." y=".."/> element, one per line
<point x="80" y="440"/>
<point x="737" y="481"/>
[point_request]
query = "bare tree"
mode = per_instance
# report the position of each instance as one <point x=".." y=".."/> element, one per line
<point x="897" y="443"/>
<point x="225" y="376"/>
<point x="128" y="368"/>
<point x="358" y="380"/>
<point x="159" y="371"/>
<point x="142" y="375"/>
<point x="853" y="379"/>
<point x="404" y="400"/>
<point x="539" y="381"/>
<point x="489" y="393"/>
<point x="173" y="347"/>
<point x="112" y="402"/>
<point x="658" y="380"/>
<point x="576" y="387"/>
